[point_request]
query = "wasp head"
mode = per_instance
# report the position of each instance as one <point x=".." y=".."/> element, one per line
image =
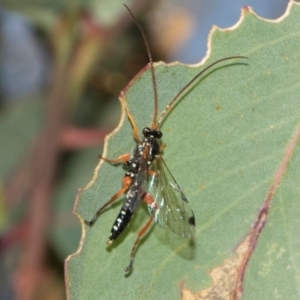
<point x="152" y="133"/>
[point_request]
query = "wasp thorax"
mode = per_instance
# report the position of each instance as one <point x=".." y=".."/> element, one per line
<point x="153" y="133"/>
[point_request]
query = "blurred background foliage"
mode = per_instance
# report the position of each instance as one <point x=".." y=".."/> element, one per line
<point x="62" y="66"/>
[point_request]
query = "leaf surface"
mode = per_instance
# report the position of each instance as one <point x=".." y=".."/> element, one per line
<point x="225" y="142"/>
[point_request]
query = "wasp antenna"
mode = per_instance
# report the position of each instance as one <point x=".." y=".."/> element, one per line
<point x="168" y="107"/>
<point x="154" y="121"/>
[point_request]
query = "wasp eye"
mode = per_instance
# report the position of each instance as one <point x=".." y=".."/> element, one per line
<point x="159" y="134"/>
<point x="147" y="131"/>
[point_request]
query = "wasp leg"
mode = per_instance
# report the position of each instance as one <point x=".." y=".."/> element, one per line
<point x="140" y="235"/>
<point x="123" y="157"/>
<point x="135" y="130"/>
<point x="162" y="147"/>
<point x="149" y="200"/>
<point x="125" y="185"/>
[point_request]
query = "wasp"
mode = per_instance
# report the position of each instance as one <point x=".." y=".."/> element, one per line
<point x="147" y="178"/>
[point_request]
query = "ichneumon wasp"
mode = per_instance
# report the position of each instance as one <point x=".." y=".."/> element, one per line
<point x="148" y="178"/>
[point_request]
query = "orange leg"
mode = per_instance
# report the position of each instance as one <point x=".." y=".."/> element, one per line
<point x="148" y="199"/>
<point x="140" y="235"/>
<point x="123" y="157"/>
<point x="135" y="130"/>
<point x="162" y="147"/>
<point x="125" y="185"/>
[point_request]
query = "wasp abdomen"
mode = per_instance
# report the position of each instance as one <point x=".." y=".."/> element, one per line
<point x="120" y="224"/>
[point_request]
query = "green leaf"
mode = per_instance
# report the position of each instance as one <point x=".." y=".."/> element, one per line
<point x="225" y="141"/>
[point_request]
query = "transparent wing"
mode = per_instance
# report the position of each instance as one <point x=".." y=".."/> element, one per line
<point x="170" y="208"/>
